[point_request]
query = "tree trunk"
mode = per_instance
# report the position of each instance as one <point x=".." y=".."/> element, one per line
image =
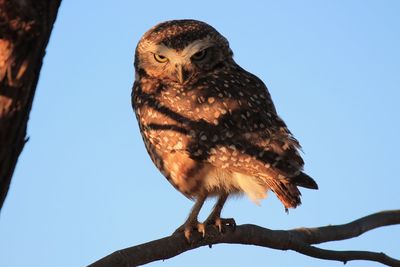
<point x="25" y="27"/>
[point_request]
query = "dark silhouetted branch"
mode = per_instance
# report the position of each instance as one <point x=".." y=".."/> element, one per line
<point x="300" y="240"/>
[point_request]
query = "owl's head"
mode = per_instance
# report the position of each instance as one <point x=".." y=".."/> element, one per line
<point x="179" y="50"/>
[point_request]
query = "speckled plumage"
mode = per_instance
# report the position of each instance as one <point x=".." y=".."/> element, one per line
<point x="210" y="126"/>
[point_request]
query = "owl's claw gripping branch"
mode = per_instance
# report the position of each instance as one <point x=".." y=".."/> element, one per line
<point x="189" y="229"/>
<point x="221" y="223"/>
<point x="215" y="217"/>
<point x="192" y="222"/>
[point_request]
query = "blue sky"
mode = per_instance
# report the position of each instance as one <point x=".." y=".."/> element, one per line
<point x="85" y="186"/>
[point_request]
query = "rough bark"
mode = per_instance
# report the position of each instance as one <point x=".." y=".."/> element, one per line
<point x="25" y="27"/>
<point x="300" y="240"/>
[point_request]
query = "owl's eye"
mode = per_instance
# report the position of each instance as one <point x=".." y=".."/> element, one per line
<point x="160" y="58"/>
<point x="200" y="55"/>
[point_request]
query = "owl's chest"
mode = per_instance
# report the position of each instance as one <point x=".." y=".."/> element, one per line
<point x="164" y="116"/>
<point x="184" y="106"/>
<point x="170" y="132"/>
<point x="186" y="118"/>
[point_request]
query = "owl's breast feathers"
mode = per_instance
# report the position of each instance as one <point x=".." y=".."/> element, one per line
<point x="222" y="127"/>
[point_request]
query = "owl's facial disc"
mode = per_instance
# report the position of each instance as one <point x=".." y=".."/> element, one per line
<point x="175" y="64"/>
<point x="161" y="61"/>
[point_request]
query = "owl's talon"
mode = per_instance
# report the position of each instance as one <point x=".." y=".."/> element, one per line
<point x="188" y="229"/>
<point x="218" y="223"/>
<point x="187" y="233"/>
<point x="201" y="229"/>
<point x="221" y="223"/>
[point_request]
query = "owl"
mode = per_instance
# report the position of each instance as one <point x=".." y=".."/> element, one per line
<point x="210" y="126"/>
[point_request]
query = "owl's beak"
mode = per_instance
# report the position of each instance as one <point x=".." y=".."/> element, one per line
<point x="181" y="74"/>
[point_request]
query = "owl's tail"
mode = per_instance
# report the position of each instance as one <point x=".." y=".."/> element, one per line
<point x="304" y="180"/>
<point x="286" y="189"/>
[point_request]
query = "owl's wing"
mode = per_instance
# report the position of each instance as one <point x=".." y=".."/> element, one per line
<point x="243" y="133"/>
<point x="238" y="113"/>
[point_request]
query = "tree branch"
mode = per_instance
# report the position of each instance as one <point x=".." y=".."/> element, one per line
<point x="299" y="240"/>
<point x="25" y="28"/>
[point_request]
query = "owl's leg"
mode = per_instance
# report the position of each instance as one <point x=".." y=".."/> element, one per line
<point x="215" y="216"/>
<point x="192" y="223"/>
